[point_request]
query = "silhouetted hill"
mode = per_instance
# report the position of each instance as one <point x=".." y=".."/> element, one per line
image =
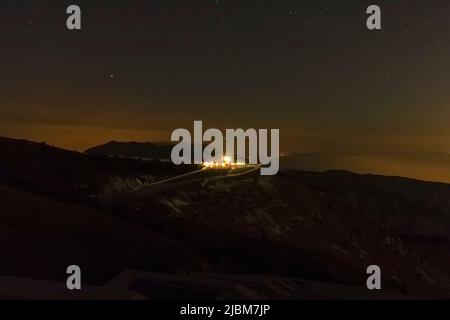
<point x="133" y="149"/>
<point x="41" y="236"/>
<point x="38" y="167"/>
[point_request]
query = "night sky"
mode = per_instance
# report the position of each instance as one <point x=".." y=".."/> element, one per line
<point x="140" y="69"/>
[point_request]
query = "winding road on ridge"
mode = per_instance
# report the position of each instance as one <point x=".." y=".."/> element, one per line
<point x="204" y="174"/>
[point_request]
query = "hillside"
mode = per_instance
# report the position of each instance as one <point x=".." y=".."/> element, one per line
<point x="40" y="237"/>
<point x="322" y="226"/>
<point x="327" y="227"/>
<point x="74" y="176"/>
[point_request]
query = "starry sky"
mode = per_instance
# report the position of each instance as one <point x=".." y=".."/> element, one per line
<point x="140" y="69"/>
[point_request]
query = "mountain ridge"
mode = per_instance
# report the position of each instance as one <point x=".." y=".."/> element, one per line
<point x="323" y="226"/>
<point x="151" y="150"/>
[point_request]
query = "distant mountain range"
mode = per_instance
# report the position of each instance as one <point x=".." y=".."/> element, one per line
<point x="421" y="165"/>
<point x="159" y="150"/>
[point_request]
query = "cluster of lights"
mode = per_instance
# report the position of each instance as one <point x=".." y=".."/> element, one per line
<point x="226" y="162"/>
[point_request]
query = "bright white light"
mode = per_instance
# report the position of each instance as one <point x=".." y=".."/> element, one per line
<point x="227" y="162"/>
<point x="227" y="159"/>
